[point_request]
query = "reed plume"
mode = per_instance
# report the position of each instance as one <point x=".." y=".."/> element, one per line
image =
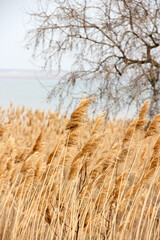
<point x="153" y="127"/>
<point x="4" y="128"/>
<point x="76" y="121"/>
<point x="130" y="131"/>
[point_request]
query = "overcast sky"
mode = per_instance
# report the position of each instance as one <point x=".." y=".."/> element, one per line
<point x="13" y="25"/>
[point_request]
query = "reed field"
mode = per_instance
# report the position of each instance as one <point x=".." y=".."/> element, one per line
<point x="78" y="177"/>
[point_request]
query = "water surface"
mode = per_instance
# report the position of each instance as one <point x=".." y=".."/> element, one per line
<point x="25" y="91"/>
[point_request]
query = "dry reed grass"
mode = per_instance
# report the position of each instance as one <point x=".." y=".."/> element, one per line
<point x="78" y="178"/>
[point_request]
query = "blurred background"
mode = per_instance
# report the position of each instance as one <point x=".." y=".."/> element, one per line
<point x="109" y="50"/>
<point x="22" y="80"/>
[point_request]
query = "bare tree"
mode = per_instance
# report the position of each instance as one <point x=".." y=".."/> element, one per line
<point x="115" y="46"/>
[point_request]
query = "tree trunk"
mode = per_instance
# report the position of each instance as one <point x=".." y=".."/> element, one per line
<point x="155" y="103"/>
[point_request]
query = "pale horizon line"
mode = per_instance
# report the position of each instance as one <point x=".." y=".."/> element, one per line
<point x="29" y="73"/>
